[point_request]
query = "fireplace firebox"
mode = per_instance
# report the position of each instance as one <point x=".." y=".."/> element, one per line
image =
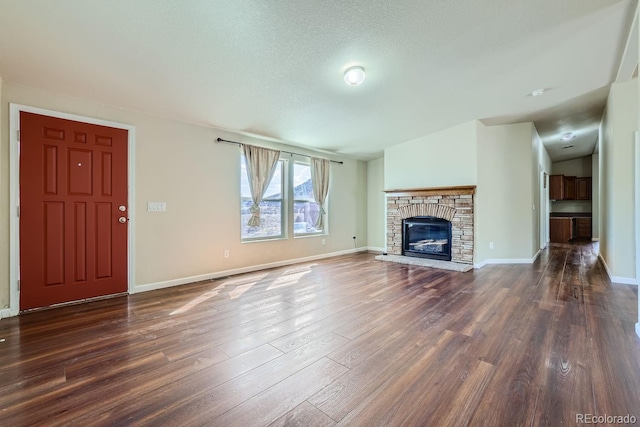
<point x="427" y="237"/>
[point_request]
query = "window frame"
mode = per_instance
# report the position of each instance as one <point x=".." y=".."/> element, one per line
<point x="294" y="201"/>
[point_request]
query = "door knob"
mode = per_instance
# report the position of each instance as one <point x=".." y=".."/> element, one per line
<point x="122" y="208"/>
<point x="122" y="220"/>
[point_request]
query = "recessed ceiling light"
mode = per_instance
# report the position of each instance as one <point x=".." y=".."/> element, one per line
<point x="567" y="136"/>
<point x="537" y="92"/>
<point x="567" y="146"/>
<point x="354" y="75"/>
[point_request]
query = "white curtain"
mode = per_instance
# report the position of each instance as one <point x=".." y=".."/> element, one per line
<point x="320" y="185"/>
<point x="261" y="165"/>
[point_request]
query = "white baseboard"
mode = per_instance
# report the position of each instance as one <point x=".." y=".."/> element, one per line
<point x="6" y="312"/>
<point x="595" y="239"/>
<point x="508" y="261"/>
<point x="249" y="269"/>
<point x="376" y="249"/>
<point x="535" y="257"/>
<point x="638" y="329"/>
<point x="617" y="279"/>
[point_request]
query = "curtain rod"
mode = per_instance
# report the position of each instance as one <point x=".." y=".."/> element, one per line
<point x="282" y="151"/>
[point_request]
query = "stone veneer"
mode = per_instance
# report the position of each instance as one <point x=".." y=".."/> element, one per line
<point x="454" y="204"/>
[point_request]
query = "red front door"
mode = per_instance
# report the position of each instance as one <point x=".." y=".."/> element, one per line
<point x="73" y="192"/>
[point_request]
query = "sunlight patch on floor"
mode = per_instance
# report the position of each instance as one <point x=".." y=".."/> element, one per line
<point x="288" y="279"/>
<point x="242" y="284"/>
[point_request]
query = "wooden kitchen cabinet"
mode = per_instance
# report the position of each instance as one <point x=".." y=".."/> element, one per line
<point x="583" y="188"/>
<point x="562" y="187"/>
<point x="556" y="187"/>
<point x="569" y="188"/>
<point x="560" y="230"/>
<point x="583" y="228"/>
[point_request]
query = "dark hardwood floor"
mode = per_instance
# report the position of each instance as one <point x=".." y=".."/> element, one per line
<point x="346" y="341"/>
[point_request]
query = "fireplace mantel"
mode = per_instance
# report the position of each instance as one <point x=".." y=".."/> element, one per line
<point x="434" y="191"/>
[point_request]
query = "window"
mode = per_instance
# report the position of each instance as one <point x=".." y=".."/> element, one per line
<point x="289" y="195"/>
<point x="271" y="207"/>
<point x="305" y="209"/>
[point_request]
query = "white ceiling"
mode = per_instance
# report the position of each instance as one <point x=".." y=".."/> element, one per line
<point x="274" y="68"/>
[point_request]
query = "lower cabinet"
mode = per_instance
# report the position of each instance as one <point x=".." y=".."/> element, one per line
<point x="583" y="228"/>
<point x="563" y="229"/>
<point x="560" y="230"/>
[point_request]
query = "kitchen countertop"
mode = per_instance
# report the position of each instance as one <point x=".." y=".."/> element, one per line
<point x="570" y="215"/>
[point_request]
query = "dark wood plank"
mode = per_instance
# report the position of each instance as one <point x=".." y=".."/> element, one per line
<point x="347" y="340"/>
<point x="304" y="415"/>
<point x="276" y="401"/>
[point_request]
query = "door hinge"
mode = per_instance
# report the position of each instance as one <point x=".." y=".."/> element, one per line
<point x="18" y="284"/>
<point x="18" y="131"/>
<point x="18" y="211"/>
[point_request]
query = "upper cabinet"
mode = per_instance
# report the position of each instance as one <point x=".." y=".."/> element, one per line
<point x="556" y="187"/>
<point x="583" y="188"/>
<point x="562" y="187"/>
<point x="569" y="187"/>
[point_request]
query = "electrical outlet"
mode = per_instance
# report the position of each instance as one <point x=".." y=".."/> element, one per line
<point x="324" y="241"/>
<point x="226" y="253"/>
<point x="490" y="245"/>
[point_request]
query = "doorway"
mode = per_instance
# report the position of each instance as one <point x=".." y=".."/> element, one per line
<point x="72" y="233"/>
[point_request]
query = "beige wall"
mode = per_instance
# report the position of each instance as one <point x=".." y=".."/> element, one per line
<point x="595" y="196"/>
<point x="502" y="161"/>
<point x="4" y="206"/>
<point x="181" y="165"/>
<point x="544" y="167"/>
<point x="617" y="240"/>
<point x="376" y="205"/>
<point x="445" y="158"/>
<point x="575" y="167"/>
<point x="505" y="194"/>
<point x="540" y="165"/>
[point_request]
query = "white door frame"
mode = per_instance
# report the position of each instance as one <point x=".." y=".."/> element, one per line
<point x="544" y="207"/>
<point x="14" y="194"/>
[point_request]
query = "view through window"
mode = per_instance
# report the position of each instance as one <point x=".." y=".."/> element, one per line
<point x="271" y="207"/>
<point x="305" y="209"/>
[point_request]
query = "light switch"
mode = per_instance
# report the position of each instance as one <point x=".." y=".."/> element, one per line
<point x="156" y="206"/>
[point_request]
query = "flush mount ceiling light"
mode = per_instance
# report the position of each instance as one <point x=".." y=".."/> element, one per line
<point x="354" y="75"/>
<point x="567" y="136"/>
<point x="537" y="92"/>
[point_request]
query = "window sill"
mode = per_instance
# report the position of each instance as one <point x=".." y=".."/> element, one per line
<point x="302" y="236"/>
<point x="264" y="239"/>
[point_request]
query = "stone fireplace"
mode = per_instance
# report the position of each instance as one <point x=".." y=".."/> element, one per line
<point x="454" y="204"/>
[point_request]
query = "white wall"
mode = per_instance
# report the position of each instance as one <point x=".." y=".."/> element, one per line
<point x="445" y="158"/>
<point x="376" y="205"/>
<point x="4" y="210"/>
<point x="506" y="194"/>
<point x="199" y="179"/>
<point x="544" y="167"/>
<point x="541" y="168"/>
<point x="579" y="167"/>
<point x="617" y="241"/>
<point x="502" y="161"/>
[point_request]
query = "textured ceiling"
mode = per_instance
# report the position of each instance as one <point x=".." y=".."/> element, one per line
<point x="274" y="68"/>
